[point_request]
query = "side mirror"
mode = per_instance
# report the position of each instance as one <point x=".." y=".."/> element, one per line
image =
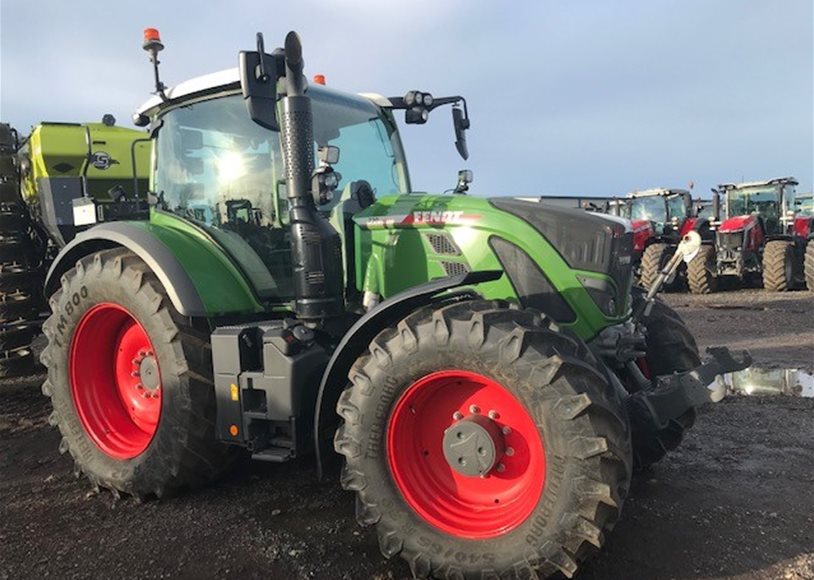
<point x="328" y="154"/>
<point x="259" y="73"/>
<point x="461" y="123"/>
<point x="465" y="177"/>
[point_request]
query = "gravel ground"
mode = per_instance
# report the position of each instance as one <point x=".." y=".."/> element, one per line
<point x="735" y="501"/>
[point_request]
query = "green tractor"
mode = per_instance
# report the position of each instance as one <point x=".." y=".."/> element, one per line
<point x="58" y="181"/>
<point x="479" y="366"/>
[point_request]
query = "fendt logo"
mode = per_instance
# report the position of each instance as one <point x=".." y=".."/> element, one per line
<point x="419" y="219"/>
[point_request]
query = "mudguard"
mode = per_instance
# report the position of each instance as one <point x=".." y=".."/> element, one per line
<point x="200" y="280"/>
<point x="356" y="340"/>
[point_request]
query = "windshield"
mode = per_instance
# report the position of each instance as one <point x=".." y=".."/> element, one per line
<point x="650" y="208"/>
<point x="805" y="206"/>
<point x="760" y="200"/>
<point x="215" y="166"/>
<point x="676" y="207"/>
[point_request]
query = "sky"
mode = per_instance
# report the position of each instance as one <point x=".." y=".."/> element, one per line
<point x="581" y="97"/>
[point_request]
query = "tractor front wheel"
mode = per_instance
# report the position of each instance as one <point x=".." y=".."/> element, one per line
<point x="778" y="266"/>
<point x="809" y="265"/>
<point x="701" y="276"/>
<point x="482" y="440"/>
<point x="130" y="380"/>
<point x="654" y="259"/>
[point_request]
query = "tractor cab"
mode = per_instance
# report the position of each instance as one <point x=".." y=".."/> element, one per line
<point x="769" y="203"/>
<point x="659" y="218"/>
<point x="754" y="236"/>
<point x="665" y="209"/>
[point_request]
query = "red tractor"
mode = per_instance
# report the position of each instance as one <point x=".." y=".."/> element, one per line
<point x="660" y="218"/>
<point x="754" y="238"/>
<point x="804" y="235"/>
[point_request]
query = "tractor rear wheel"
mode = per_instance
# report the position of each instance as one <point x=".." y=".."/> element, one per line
<point x="778" y="266"/>
<point x="483" y="440"/>
<point x="701" y="276"/>
<point x="130" y="380"/>
<point x="671" y="348"/>
<point x="809" y="265"/>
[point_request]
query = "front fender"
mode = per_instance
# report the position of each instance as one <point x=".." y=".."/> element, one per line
<point x="199" y="278"/>
<point x="357" y="339"/>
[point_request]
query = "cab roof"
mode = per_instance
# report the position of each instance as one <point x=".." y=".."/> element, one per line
<point x="228" y="81"/>
<point x="745" y="184"/>
<point x="656" y="191"/>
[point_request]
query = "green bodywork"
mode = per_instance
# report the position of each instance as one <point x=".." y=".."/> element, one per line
<point x="393" y="251"/>
<point x="57" y="150"/>
<point x="387" y="246"/>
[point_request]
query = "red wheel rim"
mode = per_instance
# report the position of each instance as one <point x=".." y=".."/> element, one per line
<point x="464" y="506"/>
<point x="115" y="381"/>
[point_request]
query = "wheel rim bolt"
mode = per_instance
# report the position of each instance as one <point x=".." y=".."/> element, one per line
<point x="493" y="415"/>
<point x="509" y="451"/>
<point x="474" y="409"/>
<point x="500" y="468"/>
<point x="457" y="415"/>
<point x="507" y="430"/>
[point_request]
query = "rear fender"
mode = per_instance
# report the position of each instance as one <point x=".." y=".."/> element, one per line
<point x="198" y="278"/>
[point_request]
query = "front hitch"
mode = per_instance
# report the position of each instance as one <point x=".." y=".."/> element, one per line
<point x="674" y="395"/>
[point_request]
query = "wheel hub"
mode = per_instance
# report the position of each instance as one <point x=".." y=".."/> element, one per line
<point x="474" y="445"/>
<point x="148" y="372"/>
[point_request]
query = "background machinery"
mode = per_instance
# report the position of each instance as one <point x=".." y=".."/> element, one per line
<point x="660" y="218"/>
<point x="481" y="366"/>
<point x="55" y="182"/>
<point x="754" y="237"/>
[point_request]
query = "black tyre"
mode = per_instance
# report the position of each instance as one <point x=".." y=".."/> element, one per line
<point x="809" y="265"/>
<point x="701" y="270"/>
<point x="140" y="418"/>
<point x="654" y="259"/>
<point x="670" y="348"/>
<point x="778" y="266"/>
<point x="480" y="372"/>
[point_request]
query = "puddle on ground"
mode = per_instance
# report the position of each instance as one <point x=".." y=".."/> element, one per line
<point x="761" y="382"/>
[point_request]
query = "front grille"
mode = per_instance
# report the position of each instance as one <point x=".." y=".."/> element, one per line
<point x="730" y="240"/>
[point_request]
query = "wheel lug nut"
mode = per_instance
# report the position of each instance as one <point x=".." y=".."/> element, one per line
<point x="135" y="374"/>
<point x="500" y="468"/>
<point x="507" y="430"/>
<point x="474" y="409"/>
<point x="140" y="387"/>
<point x="457" y="415"/>
<point x="493" y="415"/>
<point x="509" y="451"/>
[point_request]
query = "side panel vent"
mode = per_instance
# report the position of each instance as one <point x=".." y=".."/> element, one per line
<point x="455" y="268"/>
<point x="443" y="245"/>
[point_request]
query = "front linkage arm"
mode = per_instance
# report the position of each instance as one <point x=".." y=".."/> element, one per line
<point x="674" y="395"/>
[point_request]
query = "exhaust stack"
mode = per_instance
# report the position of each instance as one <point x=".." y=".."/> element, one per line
<point x="315" y="244"/>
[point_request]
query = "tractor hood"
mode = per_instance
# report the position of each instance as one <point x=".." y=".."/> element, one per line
<point x="737" y="224"/>
<point x="642" y="231"/>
